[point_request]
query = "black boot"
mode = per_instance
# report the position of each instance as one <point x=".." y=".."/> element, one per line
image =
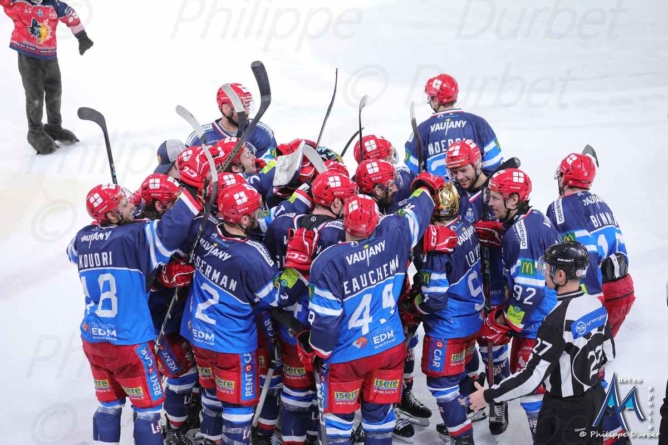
<point x="445" y="436"/>
<point x="403" y="430"/>
<point x="177" y="436"/>
<point x="60" y="134"/>
<point x="498" y="421"/>
<point x="41" y="142"/>
<point x="416" y="412"/>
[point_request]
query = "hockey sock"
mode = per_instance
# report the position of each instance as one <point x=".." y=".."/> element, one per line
<point x="107" y="424"/>
<point x="531" y="405"/>
<point x="237" y="423"/>
<point x="339" y="427"/>
<point x="378" y="422"/>
<point x="178" y="395"/>
<point x="466" y="386"/>
<point x="212" y="415"/>
<point x="500" y="362"/>
<point x="147" y="427"/>
<point x="409" y="365"/>
<point x="297" y="413"/>
<point x="269" y="414"/>
<point x="453" y="413"/>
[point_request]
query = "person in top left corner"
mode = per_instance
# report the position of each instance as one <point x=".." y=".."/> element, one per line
<point x="34" y="38"/>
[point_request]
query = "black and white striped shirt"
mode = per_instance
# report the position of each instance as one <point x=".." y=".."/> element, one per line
<point x="574" y="343"/>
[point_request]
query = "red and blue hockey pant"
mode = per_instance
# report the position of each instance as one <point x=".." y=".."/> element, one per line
<point x="371" y="383"/>
<point x="299" y="418"/>
<point x="230" y="384"/>
<point x="125" y="371"/>
<point x="445" y="363"/>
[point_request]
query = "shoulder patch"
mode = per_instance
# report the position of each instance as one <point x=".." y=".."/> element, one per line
<point x="261" y="250"/>
<point x="559" y="211"/>
<point x="521" y="231"/>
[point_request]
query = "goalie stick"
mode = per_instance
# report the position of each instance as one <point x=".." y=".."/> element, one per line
<point x="329" y="109"/>
<point x="238" y="108"/>
<point x="88" y="114"/>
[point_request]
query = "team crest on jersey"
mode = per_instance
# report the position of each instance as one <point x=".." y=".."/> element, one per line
<point x="40" y="31"/>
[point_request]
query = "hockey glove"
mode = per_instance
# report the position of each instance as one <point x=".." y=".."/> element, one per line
<point x="489" y="233"/>
<point x="301" y="247"/>
<point x="408" y="313"/>
<point x="176" y="273"/>
<point x="429" y="181"/>
<point x="492" y="330"/>
<point x="260" y="164"/>
<point x="305" y="351"/>
<point x="439" y="239"/>
<point x="85" y="43"/>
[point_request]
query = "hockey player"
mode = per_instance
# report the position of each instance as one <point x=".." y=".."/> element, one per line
<point x="573" y="344"/>
<point x="379" y="180"/>
<point x="234" y="277"/>
<point x="294" y="241"/>
<point x="175" y="358"/>
<point x="168" y="152"/>
<point x="34" y="38"/>
<point x="243" y="162"/>
<point x="464" y="165"/>
<point x="527" y="234"/>
<point x="356" y="329"/>
<point x="259" y="141"/>
<point x="582" y="216"/>
<point x="116" y="257"/>
<point x="447" y="125"/>
<point x="450" y="304"/>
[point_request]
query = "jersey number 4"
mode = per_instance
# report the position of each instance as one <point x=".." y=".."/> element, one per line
<point x="362" y="318"/>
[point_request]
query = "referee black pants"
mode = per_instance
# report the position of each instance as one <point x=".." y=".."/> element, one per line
<point x="570" y="420"/>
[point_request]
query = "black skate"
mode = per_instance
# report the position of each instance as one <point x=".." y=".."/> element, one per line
<point x="475" y="417"/>
<point x="261" y="439"/>
<point x="177" y="436"/>
<point x="41" y="142"/>
<point x="498" y="420"/>
<point x="357" y="437"/>
<point x="403" y="430"/>
<point x="60" y="134"/>
<point x="445" y="437"/>
<point x="415" y="411"/>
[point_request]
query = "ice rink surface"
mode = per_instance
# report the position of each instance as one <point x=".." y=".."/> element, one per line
<point x="549" y="76"/>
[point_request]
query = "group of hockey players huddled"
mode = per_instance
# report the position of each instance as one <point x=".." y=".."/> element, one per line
<point x="294" y="308"/>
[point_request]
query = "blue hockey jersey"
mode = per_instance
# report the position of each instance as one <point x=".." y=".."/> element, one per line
<point x="523" y="245"/>
<point x="452" y="297"/>
<point x="587" y="219"/>
<point x="234" y="277"/>
<point x="404" y="179"/>
<point x="355" y="286"/>
<point x="443" y="129"/>
<point x="330" y="232"/>
<point x="260" y="141"/>
<point x="116" y="267"/>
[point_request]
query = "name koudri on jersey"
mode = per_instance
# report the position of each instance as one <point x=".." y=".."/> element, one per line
<point x="259" y="142"/>
<point x="586" y="218"/>
<point x="443" y="129"/>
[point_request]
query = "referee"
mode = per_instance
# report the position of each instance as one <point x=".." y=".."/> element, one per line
<point x="574" y="343"/>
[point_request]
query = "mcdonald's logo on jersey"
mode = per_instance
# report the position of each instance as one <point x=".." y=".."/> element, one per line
<point x="611" y="402"/>
<point x="527" y="267"/>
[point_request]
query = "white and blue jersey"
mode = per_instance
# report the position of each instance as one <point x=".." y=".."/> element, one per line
<point x="404" y="179"/>
<point x="116" y="267"/>
<point x="452" y="298"/>
<point x="355" y="286"/>
<point x="234" y="278"/>
<point x="443" y="129"/>
<point x="260" y="141"/>
<point x="587" y="219"/>
<point x="523" y="245"/>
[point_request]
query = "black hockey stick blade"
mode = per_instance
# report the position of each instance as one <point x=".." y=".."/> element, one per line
<point x="287" y="320"/>
<point x="238" y="108"/>
<point x="329" y="109"/>
<point x="88" y="114"/>
<point x="363" y="102"/>
<point x="352" y="138"/>
<point x="589" y="151"/>
<point x="416" y="135"/>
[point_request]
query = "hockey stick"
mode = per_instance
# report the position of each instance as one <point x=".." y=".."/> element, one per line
<point x="88" y="114"/>
<point x="187" y="115"/>
<point x="589" y="151"/>
<point x="486" y="277"/>
<point x="263" y="395"/>
<point x="352" y="138"/>
<point x="238" y="108"/>
<point x="416" y="136"/>
<point x="329" y="109"/>
<point x="363" y="102"/>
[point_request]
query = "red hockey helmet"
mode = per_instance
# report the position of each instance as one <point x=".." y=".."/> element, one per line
<point x="361" y="216"/>
<point x="443" y="87"/>
<point x="104" y="198"/>
<point x="244" y="95"/>
<point x="509" y="181"/>
<point x="236" y="201"/>
<point x="577" y="170"/>
<point x="222" y="149"/>
<point x="192" y="164"/>
<point x="331" y="185"/>
<point x="337" y="167"/>
<point x="463" y="153"/>
<point x="159" y="187"/>
<point x="226" y="179"/>
<point x="375" y="147"/>
<point x="372" y="172"/>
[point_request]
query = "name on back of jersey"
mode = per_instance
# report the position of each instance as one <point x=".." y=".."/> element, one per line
<point x="98" y="259"/>
<point x="371" y="277"/>
<point x="214" y="275"/>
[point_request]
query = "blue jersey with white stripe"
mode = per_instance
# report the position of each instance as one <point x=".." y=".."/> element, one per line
<point x="443" y="129"/>
<point x="404" y="179"/>
<point x="587" y="219"/>
<point x="523" y="245"/>
<point x="452" y="298"/>
<point x="355" y="286"/>
<point x="116" y="267"/>
<point x="260" y="141"/>
<point x="232" y="276"/>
